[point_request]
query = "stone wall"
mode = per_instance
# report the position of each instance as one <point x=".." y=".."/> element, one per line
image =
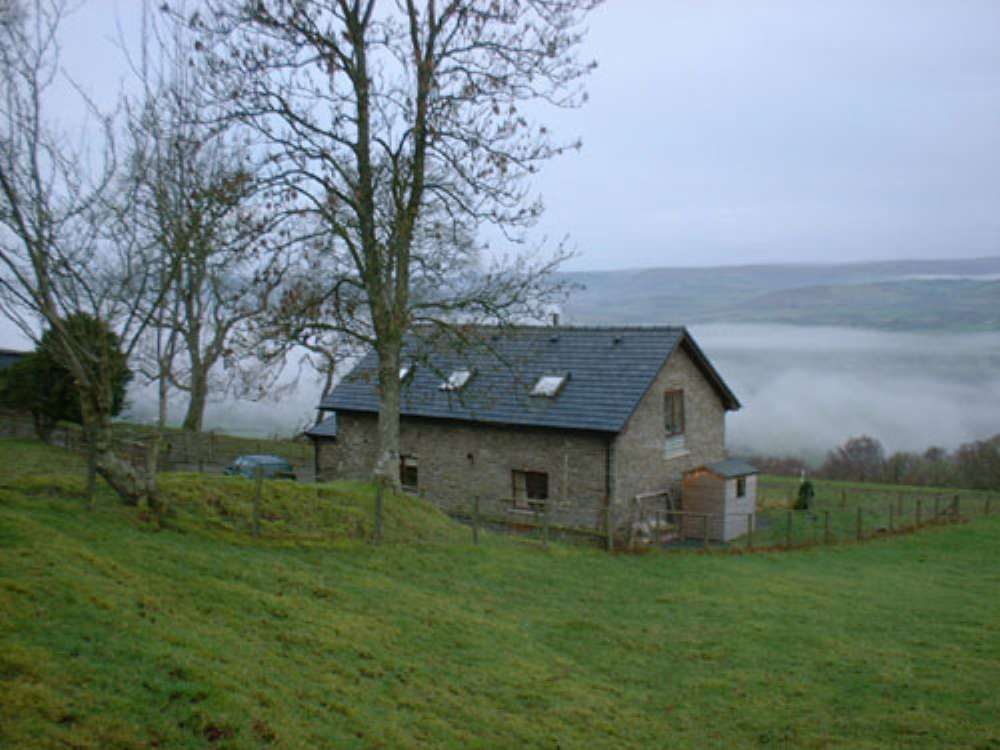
<point x="641" y="462"/>
<point x="457" y="461"/>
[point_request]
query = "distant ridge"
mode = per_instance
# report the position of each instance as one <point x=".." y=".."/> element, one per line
<point x="915" y="295"/>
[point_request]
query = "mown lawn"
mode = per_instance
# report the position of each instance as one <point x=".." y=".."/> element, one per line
<point x="115" y="633"/>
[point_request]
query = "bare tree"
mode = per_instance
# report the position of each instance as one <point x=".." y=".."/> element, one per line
<point x="386" y="121"/>
<point x="56" y="259"/>
<point x="196" y="199"/>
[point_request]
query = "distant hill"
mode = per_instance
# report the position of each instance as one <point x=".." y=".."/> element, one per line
<point x="959" y="295"/>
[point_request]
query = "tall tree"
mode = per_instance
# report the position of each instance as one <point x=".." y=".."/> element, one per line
<point x="195" y="200"/>
<point x="388" y="121"/>
<point x="55" y="259"/>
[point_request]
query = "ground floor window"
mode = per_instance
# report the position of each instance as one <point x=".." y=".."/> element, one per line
<point x="531" y="489"/>
<point x="408" y="473"/>
<point x="741" y="487"/>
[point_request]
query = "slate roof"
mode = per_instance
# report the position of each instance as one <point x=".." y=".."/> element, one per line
<point x="609" y="370"/>
<point x="325" y="429"/>
<point x="732" y="467"/>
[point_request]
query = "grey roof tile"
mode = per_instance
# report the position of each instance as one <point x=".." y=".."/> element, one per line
<point x="327" y="428"/>
<point x="609" y="371"/>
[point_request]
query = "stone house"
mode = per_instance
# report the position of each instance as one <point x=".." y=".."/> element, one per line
<point x="577" y="421"/>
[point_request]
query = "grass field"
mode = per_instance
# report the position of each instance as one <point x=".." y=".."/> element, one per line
<point x="116" y="633"/>
<point x="838" y="506"/>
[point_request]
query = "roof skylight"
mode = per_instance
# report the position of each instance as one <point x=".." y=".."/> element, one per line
<point x="456" y="381"/>
<point x="549" y="385"/>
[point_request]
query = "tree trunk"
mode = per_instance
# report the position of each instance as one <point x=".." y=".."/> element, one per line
<point x="43" y="426"/>
<point x="196" y="404"/>
<point x="387" y="464"/>
<point x="91" y="466"/>
<point x="130" y="484"/>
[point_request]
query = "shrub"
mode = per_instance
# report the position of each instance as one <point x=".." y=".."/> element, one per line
<point x="806" y="494"/>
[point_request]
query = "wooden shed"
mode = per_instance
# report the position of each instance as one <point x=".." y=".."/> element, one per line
<point x="726" y="493"/>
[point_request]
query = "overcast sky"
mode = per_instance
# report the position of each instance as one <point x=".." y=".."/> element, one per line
<point x="735" y="131"/>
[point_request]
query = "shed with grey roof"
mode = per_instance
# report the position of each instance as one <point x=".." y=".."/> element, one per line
<point x="726" y="493"/>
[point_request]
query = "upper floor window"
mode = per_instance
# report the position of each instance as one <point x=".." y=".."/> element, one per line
<point x="673" y="412"/>
<point x="741" y="487"/>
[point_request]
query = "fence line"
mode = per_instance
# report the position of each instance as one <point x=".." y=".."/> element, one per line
<point x="775" y="529"/>
<point x="205" y="452"/>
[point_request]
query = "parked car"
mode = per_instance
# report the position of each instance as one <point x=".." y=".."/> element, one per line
<point x="271" y="467"/>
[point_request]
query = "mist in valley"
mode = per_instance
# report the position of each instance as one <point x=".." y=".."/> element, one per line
<point x="806" y="389"/>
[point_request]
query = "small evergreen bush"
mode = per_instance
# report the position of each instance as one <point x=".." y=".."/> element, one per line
<point x="806" y="494"/>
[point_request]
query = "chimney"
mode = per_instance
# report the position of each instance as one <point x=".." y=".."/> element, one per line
<point x="555" y="320"/>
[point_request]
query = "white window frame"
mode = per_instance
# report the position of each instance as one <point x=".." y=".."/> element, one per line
<point x="456" y="381"/>
<point x="549" y="386"/>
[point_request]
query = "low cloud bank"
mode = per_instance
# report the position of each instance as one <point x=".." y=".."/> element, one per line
<point x="806" y="390"/>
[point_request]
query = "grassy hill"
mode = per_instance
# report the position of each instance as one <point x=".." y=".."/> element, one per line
<point x="960" y="305"/>
<point x="961" y="295"/>
<point x="115" y="633"/>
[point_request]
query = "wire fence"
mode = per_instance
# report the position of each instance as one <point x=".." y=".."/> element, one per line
<point x="837" y="514"/>
<point x="201" y="452"/>
<point x="772" y="528"/>
<point x="540" y="522"/>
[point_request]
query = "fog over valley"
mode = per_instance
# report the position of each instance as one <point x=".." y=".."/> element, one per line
<point x="804" y="390"/>
<point x="807" y="389"/>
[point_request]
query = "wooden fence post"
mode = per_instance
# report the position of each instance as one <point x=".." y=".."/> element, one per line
<point x="379" y="492"/>
<point x="633" y="519"/>
<point x="860" y="523"/>
<point x="843" y="498"/>
<point x="919" y="513"/>
<point x="475" y="519"/>
<point x="891" y="512"/>
<point x="956" y="513"/>
<point x="259" y="471"/>
<point x="749" y="531"/>
<point x="826" y="527"/>
<point x="937" y="507"/>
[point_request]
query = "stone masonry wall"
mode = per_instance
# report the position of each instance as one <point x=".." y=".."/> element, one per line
<point x="457" y="461"/>
<point x="640" y="461"/>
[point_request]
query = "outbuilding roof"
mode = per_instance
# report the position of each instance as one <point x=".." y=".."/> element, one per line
<point x="324" y="429"/>
<point x="732" y="467"/>
<point x="607" y="371"/>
